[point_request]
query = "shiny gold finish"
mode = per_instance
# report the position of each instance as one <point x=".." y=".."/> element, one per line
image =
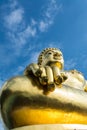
<point x="24" y="104"/>
<point x="46" y="94"/>
<point x="25" y="116"/>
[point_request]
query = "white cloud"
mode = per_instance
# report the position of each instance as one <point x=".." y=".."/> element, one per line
<point x="42" y="26"/>
<point x="51" y="9"/>
<point x="13" y="16"/>
<point x="33" y="22"/>
<point x="49" y="14"/>
<point x="19" y="32"/>
<point x="29" y="31"/>
<point x="13" y="4"/>
<point x="20" y="38"/>
<point x="70" y="64"/>
<point x="13" y="19"/>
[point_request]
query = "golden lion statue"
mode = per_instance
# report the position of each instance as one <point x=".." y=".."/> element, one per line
<point x="45" y="94"/>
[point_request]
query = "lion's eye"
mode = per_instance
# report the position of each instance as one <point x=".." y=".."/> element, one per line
<point x="49" y="53"/>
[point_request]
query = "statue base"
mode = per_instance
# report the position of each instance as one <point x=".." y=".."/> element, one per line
<point x="54" y="127"/>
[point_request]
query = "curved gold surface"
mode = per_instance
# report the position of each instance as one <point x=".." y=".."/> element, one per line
<point x="23" y="103"/>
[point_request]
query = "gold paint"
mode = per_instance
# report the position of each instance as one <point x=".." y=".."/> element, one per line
<point x="27" y="116"/>
<point x="58" y="64"/>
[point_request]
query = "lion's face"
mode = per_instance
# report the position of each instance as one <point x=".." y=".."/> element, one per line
<point x="52" y="56"/>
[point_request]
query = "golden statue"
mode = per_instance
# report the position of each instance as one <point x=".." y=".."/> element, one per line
<point x="46" y="97"/>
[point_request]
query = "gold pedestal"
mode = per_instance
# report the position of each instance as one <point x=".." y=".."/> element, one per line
<point x="24" y="104"/>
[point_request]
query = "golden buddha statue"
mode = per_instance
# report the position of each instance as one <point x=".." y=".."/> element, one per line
<point x="46" y="96"/>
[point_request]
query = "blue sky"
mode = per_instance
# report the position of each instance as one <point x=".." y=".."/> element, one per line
<point x="27" y="27"/>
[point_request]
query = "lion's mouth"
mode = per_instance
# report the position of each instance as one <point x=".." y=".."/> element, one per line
<point x="57" y="56"/>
